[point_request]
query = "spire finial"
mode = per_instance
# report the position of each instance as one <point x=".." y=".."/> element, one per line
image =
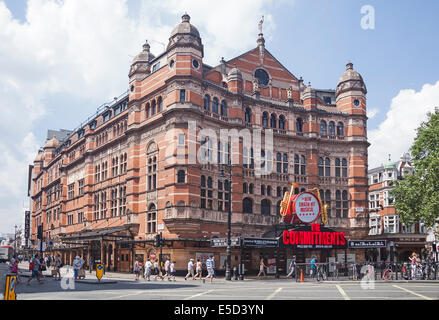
<point x="349" y="66"/>
<point x="260" y="25"/>
<point x="186" y="17"/>
<point x="146" y="46"/>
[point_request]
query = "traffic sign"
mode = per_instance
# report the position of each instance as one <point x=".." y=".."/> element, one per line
<point x="99" y="271"/>
<point x="10" y="287"/>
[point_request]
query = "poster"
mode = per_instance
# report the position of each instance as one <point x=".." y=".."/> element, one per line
<point x="271" y="266"/>
<point x="350" y="257"/>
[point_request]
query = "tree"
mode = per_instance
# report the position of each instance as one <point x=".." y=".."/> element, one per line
<point x="417" y="196"/>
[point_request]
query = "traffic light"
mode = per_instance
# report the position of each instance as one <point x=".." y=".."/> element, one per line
<point x="157" y="240"/>
<point x="40" y="232"/>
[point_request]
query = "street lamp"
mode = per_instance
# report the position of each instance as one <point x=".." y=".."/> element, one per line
<point x="229" y="220"/>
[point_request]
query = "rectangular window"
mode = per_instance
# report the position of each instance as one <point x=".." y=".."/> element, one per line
<point x="151" y="222"/>
<point x="81" y="187"/>
<point x="156" y="67"/>
<point x="183" y="95"/>
<point x="71" y="191"/>
<point x="181" y="140"/>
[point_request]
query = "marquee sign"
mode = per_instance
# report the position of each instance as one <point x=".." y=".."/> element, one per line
<point x="314" y="237"/>
<point x="305" y="207"/>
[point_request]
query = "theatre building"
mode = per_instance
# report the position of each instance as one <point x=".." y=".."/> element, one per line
<point x="128" y="173"/>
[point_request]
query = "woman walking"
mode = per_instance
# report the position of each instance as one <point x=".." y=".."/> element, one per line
<point x="198" y="269"/>
<point x="261" y="268"/>
<point x="136" y="269"/>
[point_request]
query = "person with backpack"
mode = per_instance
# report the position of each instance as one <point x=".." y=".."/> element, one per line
<point x="34" y="266"/>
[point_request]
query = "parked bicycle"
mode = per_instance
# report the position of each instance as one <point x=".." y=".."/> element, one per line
<point x="388" y="272"/>
<point x="321" y="273"/>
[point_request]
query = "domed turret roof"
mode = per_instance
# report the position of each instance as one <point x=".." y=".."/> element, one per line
<point x="234" y="74"/>
<point x="145" y="55"/>
<point x="185" y="27"/>
<point x="52" y="143"/>
<point x="39" y="157"/>
<point x="350" y="80"/>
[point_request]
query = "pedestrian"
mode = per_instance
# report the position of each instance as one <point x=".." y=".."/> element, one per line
<point x="190" y="269"/>
<point x="262" y="267"/>
<point x="198" y="269"/>
<point x="292" y="268"/>
<point x="34" y="266"/>
<point x="172" y="269"/>
<point x="57" y="267"/>
<point x="157" y="272"/>
<point x="77" y="265"/>
<point x="167" y="265"/>
<point x="414" y="263"/>
<point x="148" y="266"/>
<point x="14" y="269"/>
<point x="136" y="269"/>
<point x="90" y="264"/>
<point x="210" y="265"/>
<point x="313" y="267"/>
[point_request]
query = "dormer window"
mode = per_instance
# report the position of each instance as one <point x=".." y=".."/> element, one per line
<point x="156" y="67"/>
<point x="327" y="100"/>
<point x="106" y="116"/>
<point x="117" y="109"/>
<point x="81" y="133"/>
<point x="93" y="125"/>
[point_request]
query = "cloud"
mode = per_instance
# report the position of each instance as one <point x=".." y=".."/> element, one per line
<point x="371" y="113"/>
<point x="396" y="134"/>
<point x="83" y="49"/>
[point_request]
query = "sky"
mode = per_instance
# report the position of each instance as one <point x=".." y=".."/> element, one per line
<point x="61" y="60"/>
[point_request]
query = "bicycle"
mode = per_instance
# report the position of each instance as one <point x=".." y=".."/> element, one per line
<point x="405" y="272"/>
<point x="388" y="272"/>
<point x="321" y="274"/>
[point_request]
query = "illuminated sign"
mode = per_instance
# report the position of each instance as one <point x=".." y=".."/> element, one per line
<point x="367" y="244"/>
<point x="314" y="237"/>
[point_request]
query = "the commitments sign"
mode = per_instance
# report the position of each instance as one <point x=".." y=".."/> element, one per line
<point x="314" y="237"/>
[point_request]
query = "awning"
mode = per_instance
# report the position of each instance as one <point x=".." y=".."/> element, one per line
<point x="115" y="233"/>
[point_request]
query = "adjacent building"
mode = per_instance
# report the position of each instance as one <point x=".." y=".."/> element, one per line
<point x="147" y="162"/>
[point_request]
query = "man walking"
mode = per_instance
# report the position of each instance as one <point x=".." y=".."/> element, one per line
<point x="313" y="267"/>
<point x="292" y="268"/>
<point x="168" y="272"/>
<point x="34" y="266"/>
<point x="90" y="264"/>
<point x="190" y="269"/>
<point x="148" y="266"/>
<point x="210" y="265"/>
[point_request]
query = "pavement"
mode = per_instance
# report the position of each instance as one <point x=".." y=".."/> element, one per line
<point x="122" y="286"/>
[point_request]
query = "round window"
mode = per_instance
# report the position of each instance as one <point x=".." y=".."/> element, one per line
<point x="262" y="76"/>
<point x="195" y="64"/>
<point x="356" y="102"/>
<point x="171" y="64"/>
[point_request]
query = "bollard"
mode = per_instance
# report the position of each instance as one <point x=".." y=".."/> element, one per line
<point x="301" y="275"/>
<point x="235" y="273"/>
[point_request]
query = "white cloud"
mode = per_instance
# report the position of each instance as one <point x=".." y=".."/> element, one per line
<point x="371" y="113"/>
<point x="396" y="133"/>
<point x="83" y="49"/>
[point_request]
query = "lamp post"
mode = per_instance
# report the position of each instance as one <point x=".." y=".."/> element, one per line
<point x="229" y="221"/>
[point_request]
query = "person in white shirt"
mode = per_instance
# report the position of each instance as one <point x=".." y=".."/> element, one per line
<point x="199" y="269"/>
<point x="172" y="267"/>
<point x="190" y="269"/>
<point x="148" y="266"/>
<point x="167" y="264"/>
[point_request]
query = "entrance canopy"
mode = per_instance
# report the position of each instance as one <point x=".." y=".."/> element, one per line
<point x="107" y="234"/>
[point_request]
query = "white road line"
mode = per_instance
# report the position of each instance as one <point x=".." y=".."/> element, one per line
<point x="345" y="296"/>
<point x="414" y="293"/>
<point x="197" y="295"/>
<point x="271" y="296"/>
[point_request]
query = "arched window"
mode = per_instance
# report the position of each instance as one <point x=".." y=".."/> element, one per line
<point x="265" y="207"/>
<point x="244" y="188"/>
<point x="321" y="167"/>
<point x="224" y="108"/>
<point x="344" y="168"/>
<point x="160" y="104"/>
<point x="281" y="122"/>
<point x="332" y="128"/>
<point x="207" y="103"/>
<point x="265" y="119"/>
<point x="181" y="176"/>
<point x="248" y="115"/>
<point x="262" y="190"/>
<point x="215" y="105"/>
<point x="299" y="125"/>
<point x="203" y="181"/>
<point x="209" y="182"/>
<point x="278" y="206"/>
<point x="153" y="106"/>
<point x="323" y="130"/>
<point x="327" y="167"/>
<point x="148" y="111"/>
<point x="340" y="129"/>
<point x="279" y="162"/>
<point x="269" y="191"/>
<point x="250" y="188"/>
<point x="247" y="205"/>
<point x="278" y="192"/>
<point x="273" y="121"/>
<point x="337" y="167"/>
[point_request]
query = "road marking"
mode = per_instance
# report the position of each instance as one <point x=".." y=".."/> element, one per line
<point x="197" y="295"/>
<point x="345" y="296"/>
<point x="414" y="293"/>
<point x="273" y="294"/>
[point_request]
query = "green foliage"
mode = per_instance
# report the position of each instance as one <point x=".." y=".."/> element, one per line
<point x="417" y="196"/>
